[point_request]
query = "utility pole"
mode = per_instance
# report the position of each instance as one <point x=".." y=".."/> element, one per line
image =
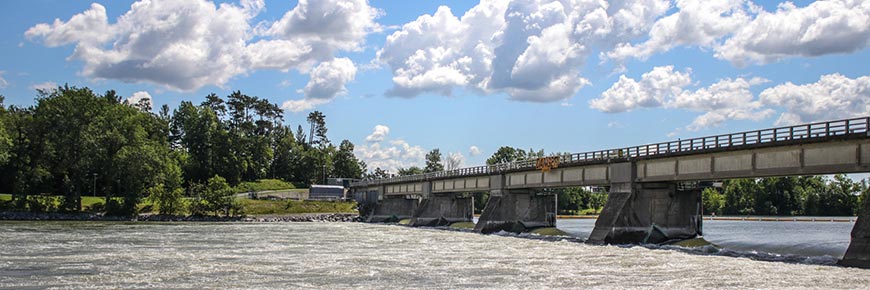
<point x="94" y="189"/>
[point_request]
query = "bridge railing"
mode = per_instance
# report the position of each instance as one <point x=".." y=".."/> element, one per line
<point x="763" y="136"/>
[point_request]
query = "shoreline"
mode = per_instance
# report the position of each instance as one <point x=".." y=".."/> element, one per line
<point x="300" y="217"/>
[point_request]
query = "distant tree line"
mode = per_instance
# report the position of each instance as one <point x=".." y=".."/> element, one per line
<point x="75" y="142"/>
<point x="787" y="196"/>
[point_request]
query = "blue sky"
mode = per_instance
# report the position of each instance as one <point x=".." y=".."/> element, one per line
<point x="398" y="78"/>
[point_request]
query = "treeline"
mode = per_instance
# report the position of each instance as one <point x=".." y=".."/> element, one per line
<point x="74" y="142"/>
<point x="787" y="196"/>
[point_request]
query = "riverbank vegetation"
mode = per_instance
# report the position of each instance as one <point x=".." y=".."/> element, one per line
<point x="787" y="196"/>
<point x="192" y="159"/>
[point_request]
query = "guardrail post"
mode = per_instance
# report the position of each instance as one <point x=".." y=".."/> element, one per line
<point x="848" y="129"/>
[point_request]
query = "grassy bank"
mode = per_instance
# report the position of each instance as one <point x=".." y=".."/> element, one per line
<point x="278" y="207"/>
<point x="251" y="206"/>
<point x="263" y="185"/>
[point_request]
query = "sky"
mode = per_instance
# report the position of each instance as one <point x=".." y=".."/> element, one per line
<point x="399" y="78"/>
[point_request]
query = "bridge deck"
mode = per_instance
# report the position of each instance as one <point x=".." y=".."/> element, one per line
<point x="816" y="148"/>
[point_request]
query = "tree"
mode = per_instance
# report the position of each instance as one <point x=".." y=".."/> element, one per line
<point x="453" y="161"/>
<point x="5" y="140"/>
<point x="378" y="173"/>
<point x="413" y="170"/>
<point x="215" y="197"/>
<point x="345" y="163"/>
<point x="317" y="134"/>
<point x="713" y="201"/>
<point x="507" y="154"/>
<point x="433" y="161"/>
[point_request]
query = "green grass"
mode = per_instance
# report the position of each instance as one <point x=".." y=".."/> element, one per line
<point x="91" y="202"/>
<point x="263" y="184"/>
<point x="278" y="207"/>
<point x="462" y="225"/>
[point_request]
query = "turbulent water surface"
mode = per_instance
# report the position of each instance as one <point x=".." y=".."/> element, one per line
<point x="356" y="255"/>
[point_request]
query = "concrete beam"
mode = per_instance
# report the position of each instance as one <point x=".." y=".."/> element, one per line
<point x="443" y="209"/>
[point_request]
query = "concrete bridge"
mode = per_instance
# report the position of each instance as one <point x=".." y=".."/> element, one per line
<point x="646" y="202"/>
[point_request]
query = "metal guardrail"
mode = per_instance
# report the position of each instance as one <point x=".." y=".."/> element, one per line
<point x="763" y="136"/>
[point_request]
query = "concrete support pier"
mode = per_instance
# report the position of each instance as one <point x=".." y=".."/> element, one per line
<point x="858" y="253"/>
<point x="646" y="212"/>
<point x="443" y="209"/>
<point x="393" y="209"/>
<point x="517" y="211"/>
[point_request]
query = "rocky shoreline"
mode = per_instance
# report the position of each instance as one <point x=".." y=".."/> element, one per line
<point x="311" y="217"/>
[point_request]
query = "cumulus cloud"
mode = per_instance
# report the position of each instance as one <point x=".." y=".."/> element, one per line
<point x="473" y="150"/>
<point x="139" y="97"/>
<point x="833" y="96"/>
<point x="302" y="105"/>
<point x="529" y="50"/>
<point x="823" y="27"/>
<point x="46" y="86"/>
<point x="185" y="45"/>
<point x="744" y="33"/>
<point x="727" y="99"/>
<point x="328" y="79"/>
<point x="386" y="154"/>
<point x="652" y="89"/>
<point x="378" y="134"/>
<point x="695" y="22"/>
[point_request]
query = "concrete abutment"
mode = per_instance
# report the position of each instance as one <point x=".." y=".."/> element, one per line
<point x="646" y="212"/>
<point x="517" y="211"/>
<point x="393" y="209"/>
<point x="858" y="253"/>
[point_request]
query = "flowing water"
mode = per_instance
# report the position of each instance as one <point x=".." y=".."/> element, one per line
<point x="36" y="255"/>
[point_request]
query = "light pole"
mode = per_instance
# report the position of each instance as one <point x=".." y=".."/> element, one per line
<point x="94" y="189"/>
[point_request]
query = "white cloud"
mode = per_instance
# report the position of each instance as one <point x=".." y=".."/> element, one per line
<point x="139" y="96"/>
<point x="301" y="105"/>
<point x="388" y="155"/>
<point x="3" y="82"/>
<point x="833" y="96"/>
<point x="378" y="134"/>
<point x="744" y="33"/>
<point x="185" y="45"/>
<point x="44" y="86"/>
<point x="328" y="79"/>
<point x="473" y="150"/>
<point x="530" y="50"/>
<point x="696" y="22"/>
<point x="627" y="94"/>
<point x="822" y="27"/>
<point x="727" y="99"/>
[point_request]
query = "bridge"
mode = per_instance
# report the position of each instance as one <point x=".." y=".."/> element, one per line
<point x="646" y="202"/>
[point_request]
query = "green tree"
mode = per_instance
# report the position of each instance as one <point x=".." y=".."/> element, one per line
<point x="713" y="201"/>
<point x="215" y="197"/>
<point x="413" y="170"/>
<point x="507" y="154"/>
<point x="345" y="162"/>
<point x="433" y="161"/>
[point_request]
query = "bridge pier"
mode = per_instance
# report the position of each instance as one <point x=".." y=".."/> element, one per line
<point x="443" y="209"/>
<point x="646" y="212"/>
<point x="858" y="253"/>
<point x="393" y="209"/>
<point x="517" y="211"/>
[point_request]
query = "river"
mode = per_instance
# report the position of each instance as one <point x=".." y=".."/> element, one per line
<point x="109" y="255"/>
